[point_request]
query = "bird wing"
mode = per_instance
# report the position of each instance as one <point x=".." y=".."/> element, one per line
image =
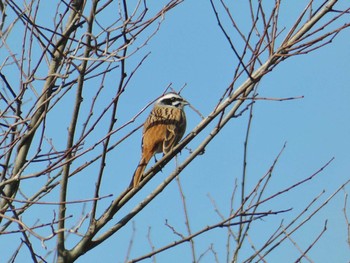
<point x="171" y="138"/>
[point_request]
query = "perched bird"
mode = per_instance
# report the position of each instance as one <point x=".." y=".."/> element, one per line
<point x="162" y="130"/>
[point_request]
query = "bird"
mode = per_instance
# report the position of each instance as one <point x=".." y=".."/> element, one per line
<point x="162" y="130"/>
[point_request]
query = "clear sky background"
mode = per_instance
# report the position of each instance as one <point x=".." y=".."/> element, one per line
<point x="190" y="49"/>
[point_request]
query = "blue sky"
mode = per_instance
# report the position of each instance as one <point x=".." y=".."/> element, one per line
<point x="190" y="49"/>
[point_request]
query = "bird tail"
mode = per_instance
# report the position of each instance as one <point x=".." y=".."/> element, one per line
<point x="138" y="174"/>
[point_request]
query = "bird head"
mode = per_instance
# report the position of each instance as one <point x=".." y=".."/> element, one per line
<point x="173" y="100"/>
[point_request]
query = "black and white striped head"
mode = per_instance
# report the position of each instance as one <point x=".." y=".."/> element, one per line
<point x="172" y="100"/>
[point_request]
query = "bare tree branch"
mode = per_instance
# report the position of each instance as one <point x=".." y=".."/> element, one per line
<point x="57" y="74"/>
